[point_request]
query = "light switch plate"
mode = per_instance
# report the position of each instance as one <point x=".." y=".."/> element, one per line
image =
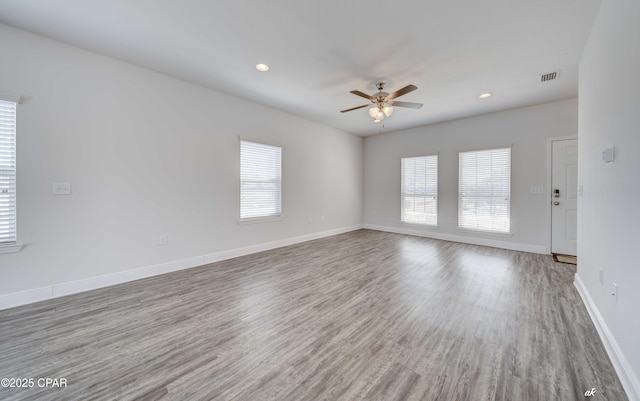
<point x="61" y="188"/>
<point x="608" y="155"/>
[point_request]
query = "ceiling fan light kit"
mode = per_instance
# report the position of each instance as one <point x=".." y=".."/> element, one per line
<point x="383" y="102"/>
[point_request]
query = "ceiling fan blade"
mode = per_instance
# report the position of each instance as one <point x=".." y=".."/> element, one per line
<point x="354" y="108"/>
<point x="410" y="105"/>
<point x="364" y="95"/>
<point x="400" y="92"/>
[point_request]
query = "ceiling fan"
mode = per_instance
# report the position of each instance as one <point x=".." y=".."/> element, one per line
<point x="383" y="102"/>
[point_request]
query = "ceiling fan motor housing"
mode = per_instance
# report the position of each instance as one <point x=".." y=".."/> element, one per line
<point x="380" y="96"/>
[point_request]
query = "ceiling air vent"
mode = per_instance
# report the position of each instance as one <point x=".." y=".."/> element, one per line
<point x="549" y="76"/>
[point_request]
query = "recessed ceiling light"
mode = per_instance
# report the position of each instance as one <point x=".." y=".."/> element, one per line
<point x="485" y="95"/>
<point x="262" y="67"/>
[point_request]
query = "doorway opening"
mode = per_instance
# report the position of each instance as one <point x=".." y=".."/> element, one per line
<point x="563" y="198"/>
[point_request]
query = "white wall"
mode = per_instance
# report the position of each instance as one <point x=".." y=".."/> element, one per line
<point x="609" y="213"/>
<point x="527" y="129"/>
<point x="149" y="155"/>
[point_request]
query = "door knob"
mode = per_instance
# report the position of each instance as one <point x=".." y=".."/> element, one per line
<point x="556" y="203"/>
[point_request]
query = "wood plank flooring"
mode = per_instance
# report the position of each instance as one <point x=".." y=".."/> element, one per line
<point x="365" y="315"/>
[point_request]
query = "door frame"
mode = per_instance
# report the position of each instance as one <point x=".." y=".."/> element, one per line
<point x="549" y="189"/>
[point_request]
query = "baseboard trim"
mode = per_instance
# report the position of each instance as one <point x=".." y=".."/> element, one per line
<point x="515" y="246"/>
<point x="25" y="297"/>
<point x="73" y="287"/>
<point x="627" y="377"/>
<point x="234" y="253"/>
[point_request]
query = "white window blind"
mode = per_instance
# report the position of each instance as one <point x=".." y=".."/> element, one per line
<point x="260" y="180"/>
<point x="420" y="190"/>
<point x="484" y="183"/>
<point x="7" y="171"/>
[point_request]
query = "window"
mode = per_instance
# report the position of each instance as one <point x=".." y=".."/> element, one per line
<point x="420" y="190"/>
<point x="260" y="180"/>
<point x="484" y="186"/>
<point x="7" y="170"/>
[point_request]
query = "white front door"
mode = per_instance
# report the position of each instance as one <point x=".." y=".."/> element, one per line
<point x="564" y="196"/>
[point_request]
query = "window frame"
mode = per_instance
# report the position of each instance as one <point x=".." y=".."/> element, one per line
<point x="404" y="194"/>
<point x="267" y="217"/>
<point x="462" y="197"/>
<point x="12" y="245"/>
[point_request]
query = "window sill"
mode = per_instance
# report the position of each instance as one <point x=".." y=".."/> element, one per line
<point x="483" y="232"/>
<point x="10" y="248"/>
<point x="257" y="220"/>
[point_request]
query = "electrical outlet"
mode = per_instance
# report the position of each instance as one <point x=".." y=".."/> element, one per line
<point x="164" y="240"/>
<point x="322" y="218"/>
<point x="310" y="219"/>
<point x="601" y="276"/>
<point x="614" y="291"/>
<point x="61" y="188"/>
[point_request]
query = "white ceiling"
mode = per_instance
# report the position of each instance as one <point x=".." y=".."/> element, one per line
<point x="453" y="50"/>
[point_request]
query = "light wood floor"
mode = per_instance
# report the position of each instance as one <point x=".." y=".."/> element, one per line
<point x="360" y="316"/>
